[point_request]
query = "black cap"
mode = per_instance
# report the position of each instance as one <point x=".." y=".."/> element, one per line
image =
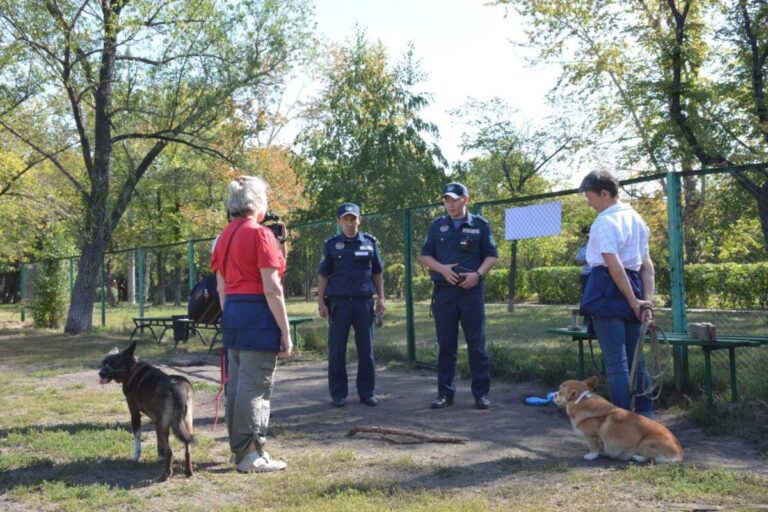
<point x="455" y="190"/>
<point x="348" y="209"/>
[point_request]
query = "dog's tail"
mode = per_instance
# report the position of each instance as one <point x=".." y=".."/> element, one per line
<point x="183" y="410"/>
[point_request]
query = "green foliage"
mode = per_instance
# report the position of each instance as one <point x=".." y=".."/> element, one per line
<point x="394" y="280"/>
<point x="497" y="285"/>
<point x="365" y="141"/>
<point x="722" y="285"/>
<point x="49" y="305"/>
<point x="556" y="285"/>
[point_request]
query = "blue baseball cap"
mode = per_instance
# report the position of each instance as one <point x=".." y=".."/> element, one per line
<point x="455" y="190"/>
<point x="348" y="209"/>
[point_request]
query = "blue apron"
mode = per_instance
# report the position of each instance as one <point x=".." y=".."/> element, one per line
<point x="603" y="299"/>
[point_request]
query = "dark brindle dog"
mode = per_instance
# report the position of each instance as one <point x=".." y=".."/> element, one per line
<point x="166" y="399"/>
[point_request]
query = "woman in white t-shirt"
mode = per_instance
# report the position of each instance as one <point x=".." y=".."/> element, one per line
<point x="620" y="288"/>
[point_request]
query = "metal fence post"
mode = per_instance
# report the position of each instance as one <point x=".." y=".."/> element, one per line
<point x="191" y="260"/>
<point x="140" y="283"/>
<point x="677" y="285"/>
<point x="23" y="291"/>
<point x="410" y="331"/>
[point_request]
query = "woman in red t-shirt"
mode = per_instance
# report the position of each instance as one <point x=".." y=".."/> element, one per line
<point x="249" y="262"/>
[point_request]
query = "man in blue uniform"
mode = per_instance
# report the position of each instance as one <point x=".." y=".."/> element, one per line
<point x="459" y="251"/>
<point x="349" y="274"/>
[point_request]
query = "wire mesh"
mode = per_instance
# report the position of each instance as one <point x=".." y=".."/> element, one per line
<point x="724" y="221"/>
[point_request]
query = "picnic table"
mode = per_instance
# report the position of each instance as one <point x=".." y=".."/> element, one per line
<point x="148" y="322"/>
<point x="731" y="343"/>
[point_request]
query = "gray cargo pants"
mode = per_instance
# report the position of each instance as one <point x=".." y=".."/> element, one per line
<point x="251" y="378"/>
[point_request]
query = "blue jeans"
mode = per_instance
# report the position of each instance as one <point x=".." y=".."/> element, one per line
<point x="618" y="340"/>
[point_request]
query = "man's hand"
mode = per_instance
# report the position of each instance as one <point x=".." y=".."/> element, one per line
<point x="471" y="279"/>
<point x="381" y="305"/>
<point x="322" y="309"/>
<point x="448" y="273"/>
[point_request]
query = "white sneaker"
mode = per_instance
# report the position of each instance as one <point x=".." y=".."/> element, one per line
<point x="258" y="463"/>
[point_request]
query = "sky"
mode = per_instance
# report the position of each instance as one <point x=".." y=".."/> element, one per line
<point x="464" y="48"/>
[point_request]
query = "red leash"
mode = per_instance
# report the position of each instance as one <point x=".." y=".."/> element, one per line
<point x="223" y="379"/>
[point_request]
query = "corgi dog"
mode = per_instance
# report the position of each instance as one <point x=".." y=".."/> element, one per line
<point x="612" y="431"/>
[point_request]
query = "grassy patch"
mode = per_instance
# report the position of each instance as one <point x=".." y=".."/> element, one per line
<point x="68" y="497"/>
<point x="747" y="419"/>
<point x="676" y="482"/>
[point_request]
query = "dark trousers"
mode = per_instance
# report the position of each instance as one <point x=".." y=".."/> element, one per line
<point x="346" y="313"/>
<point x="453" y="306"/>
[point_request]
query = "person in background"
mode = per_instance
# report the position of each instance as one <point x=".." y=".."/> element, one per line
<point x="249" y="264"/>
<point x="619" y="291"/>
<point x="581" y="259"/>
<point x="459" y="250"/>
<point x="350" y="273"/>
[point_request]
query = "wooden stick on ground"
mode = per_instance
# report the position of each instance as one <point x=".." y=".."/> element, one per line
<point x="424" y="438"/>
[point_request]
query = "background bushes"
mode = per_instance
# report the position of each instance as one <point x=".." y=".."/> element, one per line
<point x="707" y="285"/>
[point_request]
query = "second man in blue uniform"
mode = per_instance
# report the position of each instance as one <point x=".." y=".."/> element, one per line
<point x="459" y="251"/>
<point x="350" y="274"/>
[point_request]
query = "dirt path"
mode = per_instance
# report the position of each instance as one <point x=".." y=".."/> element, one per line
<point x="301" y="408"/>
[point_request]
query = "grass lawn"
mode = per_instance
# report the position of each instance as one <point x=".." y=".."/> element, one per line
<point x="64" y="444"/>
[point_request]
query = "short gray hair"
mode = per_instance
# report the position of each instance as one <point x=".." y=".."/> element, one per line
<point x="246" y="194"/>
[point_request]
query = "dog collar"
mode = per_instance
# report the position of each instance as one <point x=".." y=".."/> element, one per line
<point x="583" y="394"/>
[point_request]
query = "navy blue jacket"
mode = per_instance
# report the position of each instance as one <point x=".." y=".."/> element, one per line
<point x="468" y="245"/>
<point x="349" y="264"/>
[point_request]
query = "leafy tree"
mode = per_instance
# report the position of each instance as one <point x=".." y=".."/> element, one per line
<point x="128" y="79"/>
<point x="678" y="82"/>
<point x="365" y="141"/>
<point x="515" y="158"/>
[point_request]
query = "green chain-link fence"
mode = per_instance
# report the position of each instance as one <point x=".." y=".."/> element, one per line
<point x="711" y="265"/>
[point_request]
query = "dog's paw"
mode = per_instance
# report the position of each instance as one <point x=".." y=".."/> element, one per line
<point x="639" y="458"/>
<point x="591" y="456"/>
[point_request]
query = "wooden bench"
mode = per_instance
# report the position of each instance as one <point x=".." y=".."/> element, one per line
<point x="293" y="321"/>
<point x="731" y="343"/>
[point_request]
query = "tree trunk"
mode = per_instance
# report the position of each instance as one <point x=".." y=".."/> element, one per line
<point x="512" y="279"/>
<point x="159" y="298"/>
<point x="80" y="316"/>
<point x="177" y="282"/>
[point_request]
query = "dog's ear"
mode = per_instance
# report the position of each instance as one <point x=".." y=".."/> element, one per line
<point x="114" y="351"/>
<point x="130" y="350"/>
<point x="591" y="383"/>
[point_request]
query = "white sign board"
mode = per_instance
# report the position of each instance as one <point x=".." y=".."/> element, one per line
<point x="533" y="221"/>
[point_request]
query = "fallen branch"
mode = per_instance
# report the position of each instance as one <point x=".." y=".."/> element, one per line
<point x="424" y="438"/>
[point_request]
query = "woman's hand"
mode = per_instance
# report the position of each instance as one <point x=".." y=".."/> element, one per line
<point x="643" y="310"/>
<point x="286" y="346"/>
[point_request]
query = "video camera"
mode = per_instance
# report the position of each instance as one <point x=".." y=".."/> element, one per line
<point x="274" y="224"/>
